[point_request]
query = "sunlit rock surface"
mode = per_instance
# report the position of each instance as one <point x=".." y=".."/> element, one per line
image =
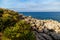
<point x="44" y="29"/>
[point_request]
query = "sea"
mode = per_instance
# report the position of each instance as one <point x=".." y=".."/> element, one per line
<point x="43" y="15"/>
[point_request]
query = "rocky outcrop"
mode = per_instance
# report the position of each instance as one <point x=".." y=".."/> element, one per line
<point x="44" y="24"/>
<point x="44" y="29"/>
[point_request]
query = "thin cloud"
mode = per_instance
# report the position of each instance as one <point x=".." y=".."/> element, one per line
<point x="31" y="5"/>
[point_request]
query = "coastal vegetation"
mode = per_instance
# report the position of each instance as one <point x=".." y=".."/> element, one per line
<point x="13" y="27"/>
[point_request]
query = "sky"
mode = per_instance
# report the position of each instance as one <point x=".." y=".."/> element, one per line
<point x="31" y="5"/>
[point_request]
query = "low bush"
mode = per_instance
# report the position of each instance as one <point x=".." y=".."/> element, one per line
<point x="14" y="28"/>
<point x="21" y="31"/>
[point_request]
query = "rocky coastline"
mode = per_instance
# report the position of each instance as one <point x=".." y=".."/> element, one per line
<point x="44" y="29"/>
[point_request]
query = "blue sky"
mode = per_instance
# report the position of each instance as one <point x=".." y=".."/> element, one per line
<point x="31" y="5"/>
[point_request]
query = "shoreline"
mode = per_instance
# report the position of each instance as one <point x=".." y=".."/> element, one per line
<point x="44" y="27"/>
<point x="41" y="29"/>
<point x="42" y="15"/>
<point x="40" y="22"/>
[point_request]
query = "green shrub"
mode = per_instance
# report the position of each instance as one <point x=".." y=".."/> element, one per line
<point x="7" y="18"/>
<point x="21" y="31"/>
<point x="1" y="24"/>
<point x="13" y="28"/>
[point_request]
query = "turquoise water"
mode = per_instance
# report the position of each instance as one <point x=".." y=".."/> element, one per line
<point x="43" y="15"/>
